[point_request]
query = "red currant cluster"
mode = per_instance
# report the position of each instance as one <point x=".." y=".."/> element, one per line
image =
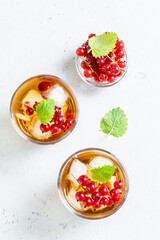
<point x="97" y="198"/>
<point x="60" y="124"/>
<point x="106" y="68"/>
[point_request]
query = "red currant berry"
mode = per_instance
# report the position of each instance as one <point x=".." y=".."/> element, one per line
<point x="69" y="122"/>
<point x="90" y="58"/>
<point x="54" y="129"/>
<point x="118" y="184"/>
<point x="63" y="127"/>
<point x="81" y="51"/>
<point x="87" y="202"/>
<point x="84" y="65"/>
<point x="57" y="111"/>
<point x="91" y="35"/>
<point x="111" y="54"/>
<point x="87" y="73"/>
<point x="117" y="199"/>
<point x="96" y="204"/>
<point x="114" y="193"/>
<point x="26" y="104"/>
<point x="119" y="74"/>
<point x="96" y="196"/>
<point x="44" y="128"/>
<point x="121" y="64"/>
<point x="111" y="79"/>
<point x="43" y="86"/>
<point x="96" y="78"/>
<point x="114" y="69"/>
<point x="104" y="201"/>
<point x="105" y="68"/>
<point x="110" y="202"/>
<point x="80" y="196"/>
<point x="83" y="180"/>
<point x="119" y="54"/>
<point x="119" y="45"/>
<point x="86" y="44"/>
<point x="103" y="190"/>
<point x="101" y="61"/>
<point x="34" y="106"/>
<point x="102" y="77"/>
<point x="91" y="187"/>
<point x="29" y="111"/>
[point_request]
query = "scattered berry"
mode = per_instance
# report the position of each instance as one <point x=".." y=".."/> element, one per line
<point x="43" y="86"/>
<point x="87" y="202"/>
<point x="91" y="187"/>
<point x="96" y="196"/>
<point x="96" y="204"/>
<point x="44" y="128"/>
<point x="118" y="184"/>
<point x="104" y="201"/>
<point x="83" y="180"/>
<point x="54" y="129"/>
<point x="114" y="193"/>
<point x="29" y="111"/>
<point x="103" y="190"/>
<point x="110" y="202"/>
<point x="80" y="196"/>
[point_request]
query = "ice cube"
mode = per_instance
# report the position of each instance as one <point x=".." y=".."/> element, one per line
<point x="76" y="170"/>
<point x="72" y="200"/>
<point x="58" y="94"/>
<point x="34" y="129"/>
<point x="99" y="162"/>
<point x="22" y="117"/>
<point x="32" y="96"/>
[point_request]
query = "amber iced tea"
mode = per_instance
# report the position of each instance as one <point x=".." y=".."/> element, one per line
<point x="23" y="110"/>
<point x="81" y="164"/>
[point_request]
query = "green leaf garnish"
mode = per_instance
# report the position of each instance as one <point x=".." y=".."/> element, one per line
<point x="45" y="110"/>
<point x="103" y="44"/>
<point x="114" y="122"/>
<point x="102" y="174"/>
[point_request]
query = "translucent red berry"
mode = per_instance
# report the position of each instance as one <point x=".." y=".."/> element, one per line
<point x="44" y="128"/>
<point x="87" y="202"/>
<point x="119" y="54"/>
<point x="91" y="187"/>
<point x="104" y="201"/>
<point x="87" y="73"/>
<point x="83" y="180"/>
<point x="80" y="196"/>
<point x="96" y="204"/>
<point x="103" y="190"/>
<point x="119" y="45"/>
<point x="43" y="86"/>
<point x="26" y="104"/>
<point x="118" y="184"/>
<point x="54" y="128"/>
<point x="114" y="192"/>
<point x="81" y="51"/>
<point x="29" y="111"/>
<point x="91" y="35"/>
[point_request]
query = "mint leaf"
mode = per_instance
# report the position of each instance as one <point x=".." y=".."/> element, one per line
<point x="102" y="174"/>
<point x="103" y="44"/>
<point x="114" y="122"/>
<point x="45" y="110"/>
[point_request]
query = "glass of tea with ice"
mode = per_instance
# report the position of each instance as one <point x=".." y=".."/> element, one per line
<point x="92" y="183"/>
<point x="44" y="109"/>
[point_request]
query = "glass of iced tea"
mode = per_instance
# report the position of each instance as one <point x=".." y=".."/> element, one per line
<point x="44" y="109"/>
<point x="92" y="183"/>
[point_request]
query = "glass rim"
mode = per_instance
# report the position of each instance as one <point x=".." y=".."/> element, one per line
<point x="64" y="201"/>
<point x="99" y="84"/>
<point x="37" y="141"/>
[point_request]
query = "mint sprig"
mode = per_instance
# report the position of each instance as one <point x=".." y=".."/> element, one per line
<point x="103" y="44"/>
<point x="114" y="123"/>
<point x="102" y="174"/>
<point x="45" y="110"/>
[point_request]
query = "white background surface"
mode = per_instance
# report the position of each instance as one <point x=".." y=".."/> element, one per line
<point x="41" y="36"/>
